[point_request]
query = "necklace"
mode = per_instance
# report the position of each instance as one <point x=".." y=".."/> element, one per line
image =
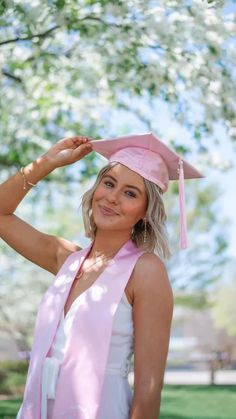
<point x="81" y="272"/>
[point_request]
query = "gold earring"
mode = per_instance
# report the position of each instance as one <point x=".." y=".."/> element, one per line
<point x="145" y="230"/>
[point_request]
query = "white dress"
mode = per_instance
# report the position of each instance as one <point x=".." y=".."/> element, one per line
<point x="116" y="395"/>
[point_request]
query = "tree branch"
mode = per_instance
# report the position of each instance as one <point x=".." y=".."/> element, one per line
<point x="11" y="76"/>
<point x="28" y="38"/>
<point x="44" y="34"/>
<point x="99" y="20"/>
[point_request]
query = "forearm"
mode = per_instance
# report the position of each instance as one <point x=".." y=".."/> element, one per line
<point x="145" y="407"/>
<point x="12" y="191"/>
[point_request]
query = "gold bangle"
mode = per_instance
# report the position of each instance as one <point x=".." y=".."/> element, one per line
<point x="25" y="179"/>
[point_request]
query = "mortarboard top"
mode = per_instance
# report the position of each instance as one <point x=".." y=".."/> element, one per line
<point x="152" y="159"/>
<point x="149" y="141"/>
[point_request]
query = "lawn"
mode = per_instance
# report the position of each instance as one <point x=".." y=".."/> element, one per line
<point x="178" y="402"/>
<point x="198" y="402"/>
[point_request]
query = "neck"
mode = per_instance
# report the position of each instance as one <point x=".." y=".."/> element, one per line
<point x="106" y="243"/>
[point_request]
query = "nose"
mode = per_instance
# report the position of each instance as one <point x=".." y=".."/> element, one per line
<point x="113" y="196"/>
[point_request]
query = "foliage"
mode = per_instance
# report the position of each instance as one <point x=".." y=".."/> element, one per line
<point x="12" y="374"/>
<point x="65" y="64"/>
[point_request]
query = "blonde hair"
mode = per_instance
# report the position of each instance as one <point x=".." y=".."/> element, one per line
<point x="156" y="234"/>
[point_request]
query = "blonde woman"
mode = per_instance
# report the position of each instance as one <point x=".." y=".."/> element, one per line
<point x="108" y="301"/>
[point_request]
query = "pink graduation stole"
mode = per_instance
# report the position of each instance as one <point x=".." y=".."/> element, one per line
<point x="81" y="377"/>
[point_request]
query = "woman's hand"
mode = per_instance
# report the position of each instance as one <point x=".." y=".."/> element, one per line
<point x="68" y="151"/>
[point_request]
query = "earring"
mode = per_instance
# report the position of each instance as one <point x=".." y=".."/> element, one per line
<point x="145" y="230"/>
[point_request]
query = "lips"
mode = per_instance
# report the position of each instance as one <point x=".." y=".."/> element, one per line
<point x="107" y="211"/>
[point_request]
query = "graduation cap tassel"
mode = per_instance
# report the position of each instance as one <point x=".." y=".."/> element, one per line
<point x="183" y="222"/>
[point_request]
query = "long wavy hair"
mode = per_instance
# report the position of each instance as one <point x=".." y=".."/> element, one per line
<point x="156" y="234"/>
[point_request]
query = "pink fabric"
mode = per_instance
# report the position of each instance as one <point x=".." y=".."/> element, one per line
<point x="82" y="372"/>
<point x="145" y="162"/>
<point x="148" y="141"/>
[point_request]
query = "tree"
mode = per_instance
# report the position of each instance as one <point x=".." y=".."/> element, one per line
<point x="66" y="64"/>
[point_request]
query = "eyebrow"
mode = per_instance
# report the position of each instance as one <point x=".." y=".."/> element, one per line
<point x="127" y="186"/>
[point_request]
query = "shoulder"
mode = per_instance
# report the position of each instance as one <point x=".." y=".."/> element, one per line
<point x="150" y="278"/>
<point x="149" y="262"/>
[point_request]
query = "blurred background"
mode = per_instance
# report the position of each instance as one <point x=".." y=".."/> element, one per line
<point x="109" y="68"/>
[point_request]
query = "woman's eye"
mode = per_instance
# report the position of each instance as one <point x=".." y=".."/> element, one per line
<point x="131" y="194"/>
<point x="108" y="183"/>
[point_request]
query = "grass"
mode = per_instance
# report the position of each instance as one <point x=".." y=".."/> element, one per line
<point x="178" y="402"/>
<point x="198" y="402"/>
<point x="9" y="408"/>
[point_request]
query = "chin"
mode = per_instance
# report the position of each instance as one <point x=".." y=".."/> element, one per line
<point x="106" y="226"/>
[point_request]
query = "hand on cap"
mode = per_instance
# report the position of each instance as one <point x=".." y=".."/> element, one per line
<point x="68" y="151"/>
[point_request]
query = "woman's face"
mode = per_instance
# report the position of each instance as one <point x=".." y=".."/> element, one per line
<point x="120" y="199"/>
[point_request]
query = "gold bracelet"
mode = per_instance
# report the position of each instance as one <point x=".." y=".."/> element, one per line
<point x="25" y="179"/>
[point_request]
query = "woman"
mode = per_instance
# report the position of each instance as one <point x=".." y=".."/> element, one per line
<point x="107" y="301"/>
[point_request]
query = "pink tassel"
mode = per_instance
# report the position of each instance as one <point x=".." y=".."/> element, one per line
<point x="183" y="222"/>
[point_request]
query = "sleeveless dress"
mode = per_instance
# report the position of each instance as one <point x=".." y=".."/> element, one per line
<point x="116" y="395"/>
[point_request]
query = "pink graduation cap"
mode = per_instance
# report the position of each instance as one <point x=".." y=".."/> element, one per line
<point x="152" y="159"/>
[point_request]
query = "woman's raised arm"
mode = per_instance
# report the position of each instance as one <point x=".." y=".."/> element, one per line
<point x="42" y="249"/>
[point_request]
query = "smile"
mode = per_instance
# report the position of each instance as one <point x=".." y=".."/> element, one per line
<point x="107" y="211"/>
